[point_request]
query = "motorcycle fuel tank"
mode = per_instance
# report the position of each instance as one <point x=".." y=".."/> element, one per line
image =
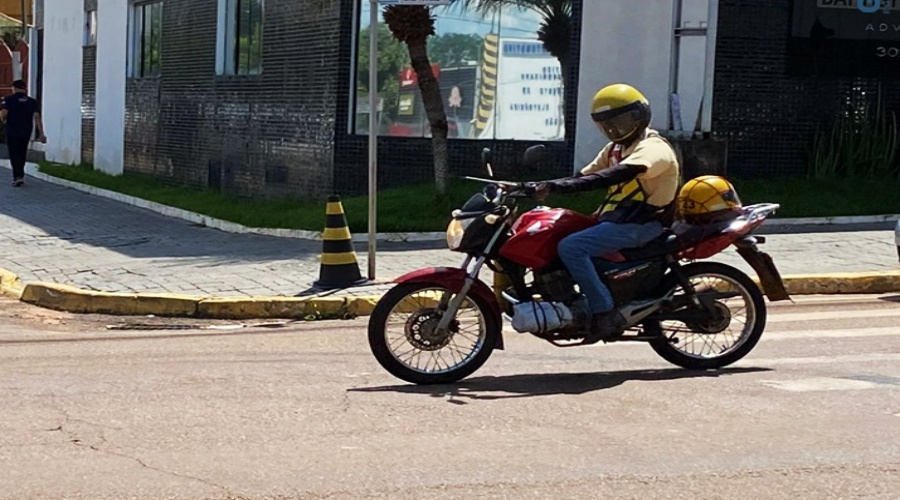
<point x="538" y="232"/>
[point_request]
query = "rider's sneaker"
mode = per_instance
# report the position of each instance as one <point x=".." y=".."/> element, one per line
<point x="604" y="326"/>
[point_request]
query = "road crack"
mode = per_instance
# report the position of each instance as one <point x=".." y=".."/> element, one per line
<point x="73" y="437"/>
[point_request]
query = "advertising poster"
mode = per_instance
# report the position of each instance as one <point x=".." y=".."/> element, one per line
<point x="845" y="38"/>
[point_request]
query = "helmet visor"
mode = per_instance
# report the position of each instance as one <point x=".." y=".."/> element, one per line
<point x="618" y="127"/>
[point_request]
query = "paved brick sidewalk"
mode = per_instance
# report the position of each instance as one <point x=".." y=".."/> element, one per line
<point x="56" y="234"/>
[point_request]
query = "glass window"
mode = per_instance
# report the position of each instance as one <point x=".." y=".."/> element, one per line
<point x="497" y="79"/>
<point x="147" y="40"/>
<point x="241" y="32"/>
<point x="90" y="28"/>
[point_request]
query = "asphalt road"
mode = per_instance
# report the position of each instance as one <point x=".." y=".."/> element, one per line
<point x="305" y="412"/>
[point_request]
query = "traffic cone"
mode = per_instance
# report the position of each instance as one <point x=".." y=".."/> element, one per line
<point x="338" y="267"/>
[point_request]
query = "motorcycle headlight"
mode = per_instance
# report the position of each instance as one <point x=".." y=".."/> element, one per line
<point x="455" y="232"/>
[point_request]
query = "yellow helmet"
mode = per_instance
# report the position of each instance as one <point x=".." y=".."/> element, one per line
<point x="707" y="199"/>
<point x="621" y="112"/>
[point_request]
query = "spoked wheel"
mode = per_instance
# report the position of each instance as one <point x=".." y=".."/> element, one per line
<point x="698" y="339"/>
<point x="404" y="337"/>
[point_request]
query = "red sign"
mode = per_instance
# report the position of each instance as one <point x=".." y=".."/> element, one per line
<point x="409" y="78"/>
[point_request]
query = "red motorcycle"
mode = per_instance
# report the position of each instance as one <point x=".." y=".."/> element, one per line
<point x="439" y="325"/>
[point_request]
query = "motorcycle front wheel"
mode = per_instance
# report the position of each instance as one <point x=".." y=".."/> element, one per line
<point x="710" y="341"/>
<point x="404" y="339"/>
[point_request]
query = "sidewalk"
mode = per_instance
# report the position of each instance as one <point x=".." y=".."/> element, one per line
<point x="54" y="234"/>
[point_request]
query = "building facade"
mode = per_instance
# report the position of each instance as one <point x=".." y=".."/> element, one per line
<point x="268" y="98"/>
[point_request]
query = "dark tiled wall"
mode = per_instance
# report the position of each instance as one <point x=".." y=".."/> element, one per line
<point x="267" y="135"/>
<point x="142" y="127"/>
<point x="88" y="103"/>
<point x="769" y="117"/>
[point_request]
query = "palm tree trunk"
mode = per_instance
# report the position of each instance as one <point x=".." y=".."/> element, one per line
<point x="434" y="110"/>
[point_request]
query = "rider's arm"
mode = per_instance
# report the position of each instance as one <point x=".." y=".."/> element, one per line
<point x="604" y="178"/>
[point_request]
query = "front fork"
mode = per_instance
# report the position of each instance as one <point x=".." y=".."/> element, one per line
<point x="451" y="306"/>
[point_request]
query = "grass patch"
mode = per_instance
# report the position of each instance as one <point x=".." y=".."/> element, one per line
<point x="418" y="208"/>
<point x="802" y="197"/>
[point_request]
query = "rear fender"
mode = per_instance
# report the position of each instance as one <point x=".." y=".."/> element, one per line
<point x="769" y="278"/>
<point x="453" y="279"/>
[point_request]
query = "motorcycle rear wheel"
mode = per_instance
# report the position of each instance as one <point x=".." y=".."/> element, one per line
<point x="401" y="333"/>
<point x="713" y="278"/>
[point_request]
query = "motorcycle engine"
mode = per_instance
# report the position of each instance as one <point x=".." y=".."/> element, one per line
<point x="558" y="286"/>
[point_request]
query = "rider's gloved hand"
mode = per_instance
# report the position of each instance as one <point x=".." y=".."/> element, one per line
<point x="528" y="188"/>
<point x="541" y="190"/>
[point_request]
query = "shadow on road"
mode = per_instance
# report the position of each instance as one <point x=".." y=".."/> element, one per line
<point x="525" y="386"/>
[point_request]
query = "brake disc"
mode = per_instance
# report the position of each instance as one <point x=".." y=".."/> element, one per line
<point x="421" y="330"/>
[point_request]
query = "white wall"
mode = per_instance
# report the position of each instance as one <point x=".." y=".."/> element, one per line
<point x="63" y="40"/>
<point x="112" y="40"/>
<point x="631" y="42"/>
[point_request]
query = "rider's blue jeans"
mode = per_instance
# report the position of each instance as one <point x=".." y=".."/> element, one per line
<point x="577" y="249"/>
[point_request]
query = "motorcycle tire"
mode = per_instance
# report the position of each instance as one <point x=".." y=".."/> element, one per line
<point x="382" y="350"/>
<point x="670" y="353"/>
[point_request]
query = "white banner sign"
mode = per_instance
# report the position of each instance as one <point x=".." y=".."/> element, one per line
<point x="529" y="94"/>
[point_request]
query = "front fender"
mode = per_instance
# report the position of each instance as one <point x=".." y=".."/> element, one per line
<point x="453" y="279"/>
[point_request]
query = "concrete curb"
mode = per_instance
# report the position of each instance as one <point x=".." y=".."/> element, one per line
<point x="843" y="283"/>
<point x="10" y="285"/>
<point x="231" y="227"/>
<point x="75" y="300"/>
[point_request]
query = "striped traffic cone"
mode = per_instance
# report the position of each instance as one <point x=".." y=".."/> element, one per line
<point x="338" y="268"/>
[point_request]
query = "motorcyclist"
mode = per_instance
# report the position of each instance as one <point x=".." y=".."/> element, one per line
<point x="641" y="170"/>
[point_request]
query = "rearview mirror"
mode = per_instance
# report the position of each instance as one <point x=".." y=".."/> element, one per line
<point x="534" y="155"/>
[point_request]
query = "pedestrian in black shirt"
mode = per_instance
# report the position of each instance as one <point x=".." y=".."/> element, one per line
<point x="20" y="113"/>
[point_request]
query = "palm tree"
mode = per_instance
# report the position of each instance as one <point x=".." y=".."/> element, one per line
<point x="412" y="25"/>
<point x="556" y="23"/>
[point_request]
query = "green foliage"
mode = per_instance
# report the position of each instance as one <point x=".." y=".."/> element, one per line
<point x="453" y="49"/>
<point x="861" y="142"/>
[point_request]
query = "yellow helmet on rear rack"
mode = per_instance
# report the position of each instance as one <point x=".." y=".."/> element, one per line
<point x="706" y="199"/>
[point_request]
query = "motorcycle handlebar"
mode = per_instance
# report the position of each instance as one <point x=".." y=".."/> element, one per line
<point x="525" y="189"/>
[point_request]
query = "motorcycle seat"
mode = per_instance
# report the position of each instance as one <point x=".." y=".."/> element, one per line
<point x="673" y="240"/>
<point x="665" y="244"/>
